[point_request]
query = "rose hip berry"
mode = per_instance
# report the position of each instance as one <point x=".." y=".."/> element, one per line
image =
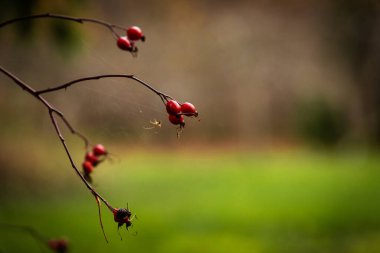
<point x="188" y="109"/>
<point x="87" y="167"/>
<point x="135" y="33"/>
<point x="124" y="44"/>
<point x="90" y="157"/>
<point x="177" y="120"/>
<point x="99" y="150"/>
<point x="173" y="107"/>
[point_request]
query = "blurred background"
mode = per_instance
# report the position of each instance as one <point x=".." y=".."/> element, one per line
<point x="284" y="157"/>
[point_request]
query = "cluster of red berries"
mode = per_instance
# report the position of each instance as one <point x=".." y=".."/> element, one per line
<point x="127" y="43"/>
<point x="92" y="159"/>
<point x="58" y="245"/>
<point x="122" y="216"/>
<point x="177" y="111"/>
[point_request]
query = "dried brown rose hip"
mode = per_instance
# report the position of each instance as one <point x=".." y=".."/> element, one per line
<point x="58" y="245"/>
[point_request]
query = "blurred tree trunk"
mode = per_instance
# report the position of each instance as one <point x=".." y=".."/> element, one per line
<point x="355" y="26"/>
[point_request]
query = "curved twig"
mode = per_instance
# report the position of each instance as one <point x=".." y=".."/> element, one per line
<point x="111" y="27"/>
<point x="34" y="233"/>
<point x="164" y="97"/>
<point x="62" y="139"/>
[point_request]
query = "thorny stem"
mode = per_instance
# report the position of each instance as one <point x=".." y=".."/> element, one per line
<point x="111" y="27"/>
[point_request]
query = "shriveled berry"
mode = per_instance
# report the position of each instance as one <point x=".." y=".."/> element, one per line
<point x="135" y="33"/>
<point x="128" y="223"/>
<point x="87" y="167"/>
<point x="93" y="159"/>
<point x="124" y="44"/>
<point x="173" y="107"/>
<point x="58" y="245"/>
<point x="121" y="215"/>
<point x="188" y="109"/>
<point x="99" y="150"/>
<point x="177" y="119"/>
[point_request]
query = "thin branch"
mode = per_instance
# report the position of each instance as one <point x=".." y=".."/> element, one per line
<point x="20" y="83"/>
<point x="37" y="236"/>
<point x="100" y="218"/>
<point x="58" y="131"/>
<point x="75" y="132"/>
<point x="111" y="27"/>
<point x="27" y="88"/>
<point x="52" y="110"/>
<point x="163" y="96"/>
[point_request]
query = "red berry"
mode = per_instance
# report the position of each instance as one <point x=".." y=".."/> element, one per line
<point x="177" y="119"/>
<point x="124" y="44"/>
<point x="135" y="33"/>
<point x="172" y="107"/>
<point x="92" y="158"/>
<point x="99" y="150"/>
<point x="188" y="109"/>
<point x="87" y="167"/>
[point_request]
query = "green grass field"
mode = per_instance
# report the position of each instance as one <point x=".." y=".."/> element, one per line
<point x="212" y="202"/>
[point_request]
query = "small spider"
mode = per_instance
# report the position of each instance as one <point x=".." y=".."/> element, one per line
<point x="154" y="124"/>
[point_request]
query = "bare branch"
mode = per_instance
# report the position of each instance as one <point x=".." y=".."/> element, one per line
<point x="75" y="132"/>
<point x="20" y="83"/>
<point x="109" y="26"/>
<point x="100" y="218"/>
<point x="163" y="96"/>
<point x="58" y="131"/>
<point x="34" y="233"/>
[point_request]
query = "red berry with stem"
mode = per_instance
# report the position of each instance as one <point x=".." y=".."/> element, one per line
<point x="94" y="160"/>
<point x="135" y="33"/>
<point x="177" y="119"/>
<point x="87" y="167"/>
<point x="99" y="150"/>
<point x="124" y="44"/>
<point x="188" y="109"/>
<point x="173" y="107"/>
